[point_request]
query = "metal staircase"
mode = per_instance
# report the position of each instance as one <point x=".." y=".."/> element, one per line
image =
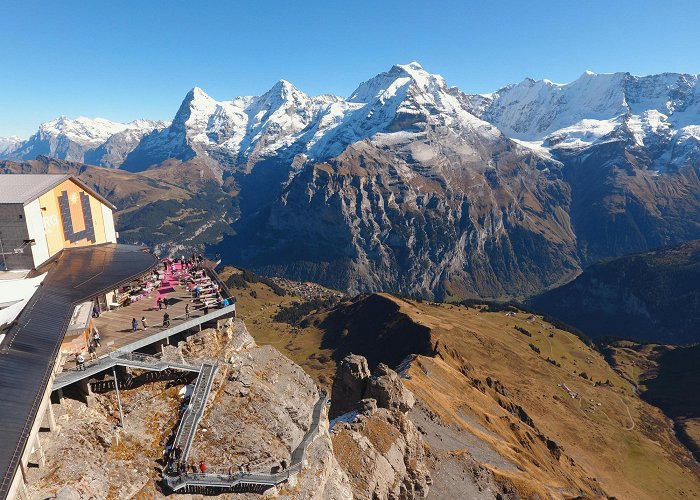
<point x="251" y="481"/>
<point x="195" y="409"/>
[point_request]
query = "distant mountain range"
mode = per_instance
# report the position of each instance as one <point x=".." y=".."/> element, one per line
<point x="416" y="187"/>
<point x="659" y="111"/>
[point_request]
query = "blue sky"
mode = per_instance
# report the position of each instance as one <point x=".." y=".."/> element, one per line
<point x="131" y="59"/>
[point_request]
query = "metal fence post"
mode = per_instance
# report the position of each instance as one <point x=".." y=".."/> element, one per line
<point x="119" y="399"/>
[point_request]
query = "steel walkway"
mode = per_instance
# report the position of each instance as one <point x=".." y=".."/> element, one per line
<point x="105" y="362"/>
<point x="258" y="481"/>
<point x="130" y="359"/>
<point x="195" y="409"/>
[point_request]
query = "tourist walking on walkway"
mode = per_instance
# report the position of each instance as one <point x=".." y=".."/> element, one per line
<point x="92" y="352"/>
<point x="80" y="361"/>
<point x="202" y="467"/>
<point x="166" y="320"/>
<point x="187" y="311"/>
<point x="134" y="324"/>
<point x="96" y="338"/>
<point x="143" y="322"/>
<point x="160" y="303"/>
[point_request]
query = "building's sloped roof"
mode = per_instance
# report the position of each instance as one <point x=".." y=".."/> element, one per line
<point x="28" y="352"/>
<point x="25" y="188"/>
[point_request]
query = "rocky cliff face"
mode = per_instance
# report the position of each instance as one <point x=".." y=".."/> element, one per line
<point x="349" y="384"/>
<point x="375" y="218"/>
<point x="382" y="453"/>
<point x="259" y="410"/>
<point x="621" y="204"/>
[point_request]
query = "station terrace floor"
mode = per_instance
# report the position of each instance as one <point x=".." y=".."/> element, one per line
<point x="115" y="326"/>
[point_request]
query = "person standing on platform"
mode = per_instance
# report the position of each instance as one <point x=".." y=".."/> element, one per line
<point x="143" y="322"/>
<point x="134" y="325"/>
<point x="166" y="320"/>
<point x="187" y="311"/>
<point x="80" y="361"/>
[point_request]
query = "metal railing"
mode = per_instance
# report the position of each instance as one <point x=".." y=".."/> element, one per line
<point x="117" y="358"/>
<point x="195" y="409"/>
<point x="177" y="482"/>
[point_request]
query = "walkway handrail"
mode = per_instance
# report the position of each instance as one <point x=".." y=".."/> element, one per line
<point x="195" y="409"/>
<point x="180" y="481"/>
<point x="117" y="358"/>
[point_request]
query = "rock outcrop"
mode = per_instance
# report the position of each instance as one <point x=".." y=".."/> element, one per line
<point x="376" y="445"/>
<point x="354" y="383"/>
<point x="386" y="387"/>
<point x="383" y="454"/>
<point x="350" y="384"/>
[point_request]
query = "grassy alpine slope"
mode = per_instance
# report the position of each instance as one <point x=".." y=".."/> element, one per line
<point x="504" y="382"/>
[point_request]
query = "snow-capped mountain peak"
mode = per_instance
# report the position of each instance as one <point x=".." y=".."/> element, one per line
<point x="281" y="94"/>
<point x="396" y="82"/>
<point x="396" y="104"/>
<point x="196" y="102"/>
<point x="9" y="143"/>
<point x="533" y="109"/>
<point x="93" y="140"/>
<point x="82" y="129"/>
<point x="648" y="111"/>
<point x="284" y="89"/>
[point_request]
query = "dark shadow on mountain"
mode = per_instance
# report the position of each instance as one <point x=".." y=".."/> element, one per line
<point x="651" y="296"/>
<point x="373" y="325"/>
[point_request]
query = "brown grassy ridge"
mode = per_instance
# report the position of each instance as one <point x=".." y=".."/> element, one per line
<point x="622" y="447"/>
<point x="601" y="448"/>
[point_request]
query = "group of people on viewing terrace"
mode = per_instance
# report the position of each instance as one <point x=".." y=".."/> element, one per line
<point x="176" y="282"/>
